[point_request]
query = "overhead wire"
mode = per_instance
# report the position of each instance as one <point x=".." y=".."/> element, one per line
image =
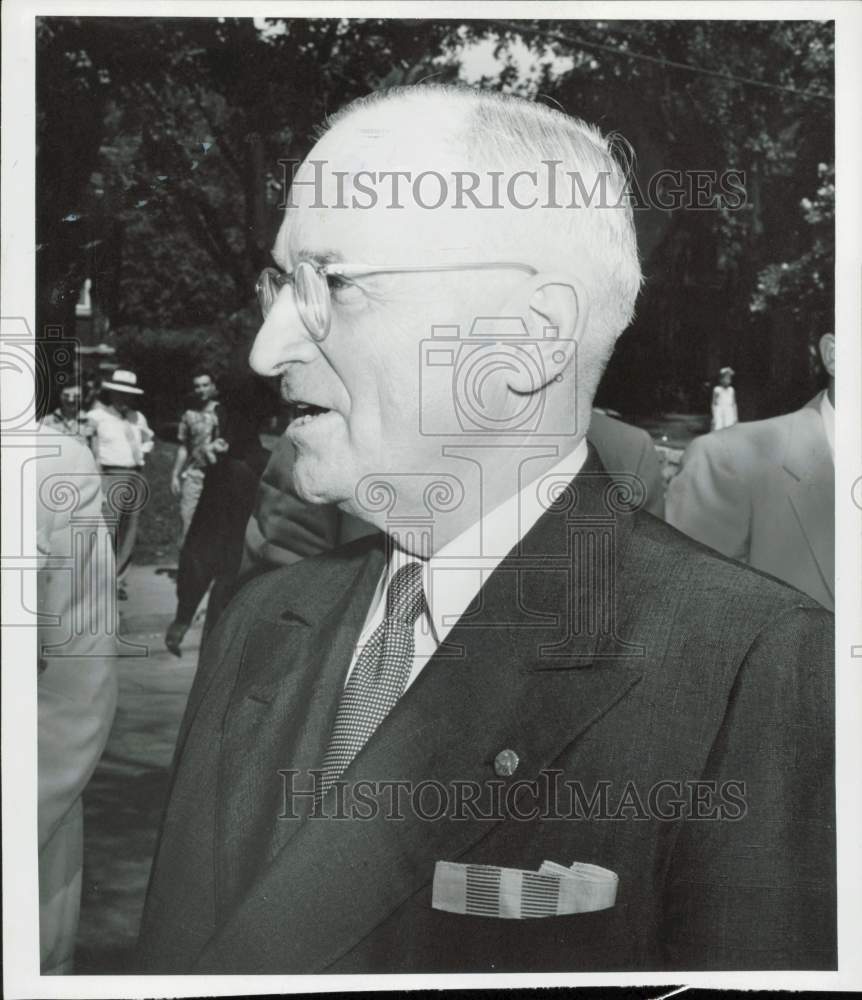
<point x="559" y="36"/>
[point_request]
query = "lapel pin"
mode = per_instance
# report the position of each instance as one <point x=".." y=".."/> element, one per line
<point x="505" y="763"/>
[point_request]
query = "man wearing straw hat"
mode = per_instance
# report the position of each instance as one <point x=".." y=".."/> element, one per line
<point x="122" y="438"/>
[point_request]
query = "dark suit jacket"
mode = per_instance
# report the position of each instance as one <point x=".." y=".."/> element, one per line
<point x="664" y="662"/>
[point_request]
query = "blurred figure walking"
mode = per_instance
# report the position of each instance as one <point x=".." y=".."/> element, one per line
<point x="212" y="550"/>
<point x="199" y="427"/>
<point x="122" y="438"/>
<point x="724" y="413"/>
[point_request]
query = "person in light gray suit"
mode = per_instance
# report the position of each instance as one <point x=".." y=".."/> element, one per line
<point x="77" y="683"/>
<point x="764" y="492"/>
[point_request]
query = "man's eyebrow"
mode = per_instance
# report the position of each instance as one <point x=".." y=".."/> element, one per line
<point x="315" y="256"/>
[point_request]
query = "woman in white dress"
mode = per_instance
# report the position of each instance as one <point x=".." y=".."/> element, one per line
<point x="724" y="401"/>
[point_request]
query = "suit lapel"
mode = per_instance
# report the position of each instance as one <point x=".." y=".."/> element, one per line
<point x="279" y="718"/>
<point x="811" y="488"/>
<point x="338" y="879"/>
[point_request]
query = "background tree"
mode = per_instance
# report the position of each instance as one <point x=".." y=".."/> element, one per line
<point x="176" y="128"/>
<point x="803" y="287"/>
<point x="159" y="143"/>
<point x="748" y="96"/>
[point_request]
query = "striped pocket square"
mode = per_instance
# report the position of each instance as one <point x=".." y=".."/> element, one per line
<point x="552" y="891"/>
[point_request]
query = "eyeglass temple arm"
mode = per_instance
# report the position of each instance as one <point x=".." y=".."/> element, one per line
<point x="356" y="270"/>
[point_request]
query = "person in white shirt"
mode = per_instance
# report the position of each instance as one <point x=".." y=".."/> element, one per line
<point x="763" y="491"/>
<point x="724" y="412"/>
<point x="121" y="440"/>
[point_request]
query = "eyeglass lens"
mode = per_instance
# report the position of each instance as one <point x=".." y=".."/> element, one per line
<point x="312" y="298"/>
<point x="311" y="294"/>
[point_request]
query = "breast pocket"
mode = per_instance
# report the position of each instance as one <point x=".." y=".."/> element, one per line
<point x="598" y="941"/>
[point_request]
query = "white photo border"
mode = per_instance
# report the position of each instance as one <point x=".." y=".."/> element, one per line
<point x="20" y="882"/>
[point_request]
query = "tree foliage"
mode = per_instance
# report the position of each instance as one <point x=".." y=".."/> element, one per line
<point x="159" y="142"/>
<point x="805" y="284"/>
<point x="703" y="268"/>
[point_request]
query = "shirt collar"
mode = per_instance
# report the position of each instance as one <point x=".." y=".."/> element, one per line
<point x="827" y="413"/>
<point x="454" y="576"/>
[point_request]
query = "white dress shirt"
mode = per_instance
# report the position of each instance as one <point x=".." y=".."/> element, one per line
<point x="120" y="441"/>
<point x="827" y="412"/>
<point x="454" y="576"/>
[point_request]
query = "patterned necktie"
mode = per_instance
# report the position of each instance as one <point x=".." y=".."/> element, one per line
<point x="379" y="677"/>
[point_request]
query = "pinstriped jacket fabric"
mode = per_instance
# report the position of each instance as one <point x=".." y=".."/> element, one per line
<point x="660" y="673"/>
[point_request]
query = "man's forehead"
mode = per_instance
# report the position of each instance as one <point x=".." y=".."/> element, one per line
<point x="379" y="236"/>
<point x="323" y="223"/>
<point x="379" y="135"/>
<point x="298" y="239"/>
<point x="301" y="239"/>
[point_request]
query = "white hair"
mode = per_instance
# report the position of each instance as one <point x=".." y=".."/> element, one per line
<point x="597" y="238"/>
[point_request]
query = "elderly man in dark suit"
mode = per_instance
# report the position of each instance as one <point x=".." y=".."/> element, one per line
<point x="529" y="726"/>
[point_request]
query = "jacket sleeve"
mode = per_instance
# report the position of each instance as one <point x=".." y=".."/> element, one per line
<point x="147" y="434"/>
<point x="649" y="471"/>
<point x="709" y="499"/>
<point x="179" y="913"/>
<point x="754" y="886"/>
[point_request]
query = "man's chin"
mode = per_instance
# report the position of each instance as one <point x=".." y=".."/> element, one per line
<point x="315" y="487"/>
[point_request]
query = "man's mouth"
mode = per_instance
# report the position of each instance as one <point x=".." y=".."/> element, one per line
<point x="299" y="412"/>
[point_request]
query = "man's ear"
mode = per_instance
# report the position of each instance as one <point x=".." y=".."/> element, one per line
<point x="827" y="353"/>
<point x="556" y="313"/>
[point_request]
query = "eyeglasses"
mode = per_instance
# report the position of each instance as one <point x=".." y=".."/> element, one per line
<point x="313" y="292"/>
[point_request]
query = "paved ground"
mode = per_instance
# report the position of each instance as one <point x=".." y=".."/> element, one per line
<point x="123" y="802"/>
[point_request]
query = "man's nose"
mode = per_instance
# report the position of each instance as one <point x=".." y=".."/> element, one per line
<point x="283" y="338"/>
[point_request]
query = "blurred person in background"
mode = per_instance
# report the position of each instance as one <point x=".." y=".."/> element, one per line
<point x="763" y="492"/>
<point x="198" y="428"/>
<point x="70" y="417"/>
<point x="213" y="546"/>
<point x="724" y="412"/>
<point x="121" y="440"/>
<point x="92" y="387"/>
<point x="77" y="683"/>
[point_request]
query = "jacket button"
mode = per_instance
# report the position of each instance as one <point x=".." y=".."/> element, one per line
<point x="505" y="763"/>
